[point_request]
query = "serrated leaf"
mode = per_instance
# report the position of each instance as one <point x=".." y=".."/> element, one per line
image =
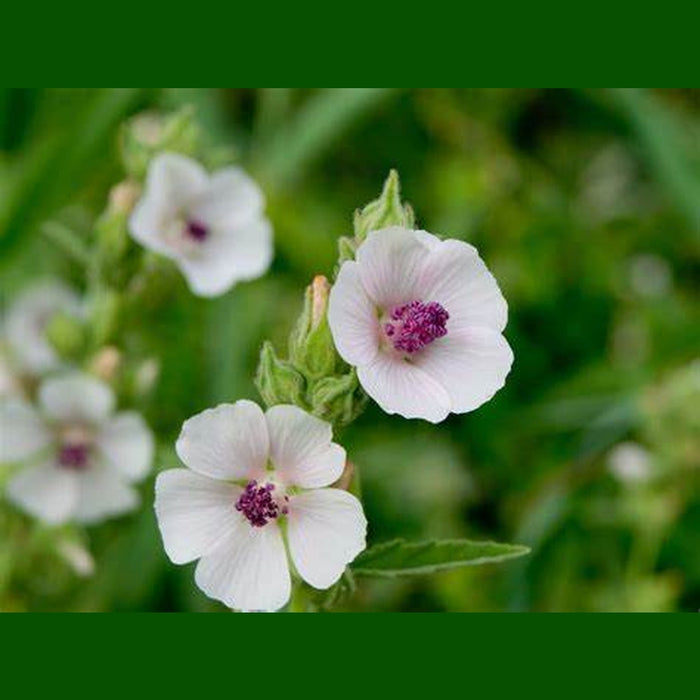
<point x="401" y="558"/>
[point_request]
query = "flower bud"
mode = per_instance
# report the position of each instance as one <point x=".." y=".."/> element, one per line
<point x="112" y="228"/>
<point x="311" y="347"/>
<point x="337" y="399"/>
<point x="105" y="313"/>
<point x="150" y="133"/>
<point x="105" y="364"/>
<point x="66" y="334"/>
<point x="277" y="381"/>
<point x="385" y="211"/>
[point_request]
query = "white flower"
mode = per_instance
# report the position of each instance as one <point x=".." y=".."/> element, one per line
<point x="26" y="321"/>
<point x="9" y="385"/>
<point x="630" y="463"/>
<point x="421" y="319"/>
<point x="212" y="226"/>
<point x="251" y="472"/>
<point x="78" y="459"/>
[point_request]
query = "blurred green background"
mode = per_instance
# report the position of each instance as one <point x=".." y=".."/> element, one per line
<point x="586" y="206"/>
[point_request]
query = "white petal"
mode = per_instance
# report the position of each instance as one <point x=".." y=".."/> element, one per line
<point x="390" y="263"/>
<point x="76" y="397"/>
<point x="26" y="324"/>
<point x="173" y="184"/>
<point x="301" y="450"/>
<point x="326" y="532"/>
<point x="353" y="318"/>
<point x="127" y="444"/>
<point x="455" y="276"/>
<point x="46" y="492"/>
<point x="228" y="256"/>
<point x="248" y="571"/>
<point x="400" y="387"/>
<point x="22" y="432"/>
<point x="195" y="513"/>
<point x="471" y="365"/>
<point x="231" y="199"/>
<point x="227" y="442"/>
<point x="102" y="494"/>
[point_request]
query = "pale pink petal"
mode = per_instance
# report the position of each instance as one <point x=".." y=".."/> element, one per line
<point x="231" y="199"/>
<point x="248" y="571"/>
<point x="471" y="365"/>
<point x="173" y="183"/>
<point x="301" y="449"/>
<point x="102" y="494"/>
<point x="390" y="262"/>
<point x="76" y="397"/>
<point x="454" y="275"/>
<point x="127" y="444"/>
<point x="227" y="442"/>
<point x="22" y="432"/>
<point x="195" y="513"/>
<point x="228" y="256"/>
<point x="45" y="491"/>
<point x="353" y="317"/>
<point x="400" y="387"/>
<point x="326" y="531"/>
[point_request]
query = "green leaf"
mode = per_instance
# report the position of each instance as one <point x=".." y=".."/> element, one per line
<point x="401" y="558"/>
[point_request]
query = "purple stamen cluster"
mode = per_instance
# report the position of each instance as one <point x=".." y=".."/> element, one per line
<point x="258" y="505"/>
<point x="196" y="230"/>
<point x="74" y="456"/>
<point x="415" y="325"/>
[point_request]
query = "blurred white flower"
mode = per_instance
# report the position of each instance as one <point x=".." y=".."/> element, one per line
<point x="77" y="458"/>
<point x="9" y="386"/>
<point x="249" y="472"/>
<point x="421" y="319"/>
<point x="650" y="275"/>
<point x="630" y="463"/>
<point x="26" y="321"/>
<point x="212" y="226"/>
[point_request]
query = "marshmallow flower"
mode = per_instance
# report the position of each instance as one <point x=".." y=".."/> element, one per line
<point x="212" y="226"/>
<point x="421" y="320"/>
<point x="254" y="494"/>
<point x="77" y="459"/>
<point x="25" y="325"/>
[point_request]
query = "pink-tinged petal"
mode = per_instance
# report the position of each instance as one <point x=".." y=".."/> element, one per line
<point x="301" y="450"/>
<point x="454" y="275"/>
<point x="353" y="318"/>
<point x="195" y="513"/>
<point x="248" y="571"/>
<point x="173" y="183"/>
<point x="46" y="492"/>
<point x="22" y="432"/>
<point x="76" y="397"/>
<point x="127" y="444"/>
<point x="231" y="199"/>
<point x="102" y="494"/>
<point x="400" y="387"/>
<point x="227" y="442"/>
<point x="471" y="365"/>
<point x="326" y="531"/>
<point x="231" y="254"/>
<point x="390" y="263"/>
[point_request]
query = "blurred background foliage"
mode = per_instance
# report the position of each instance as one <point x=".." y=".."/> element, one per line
<point x="586" y="206"/>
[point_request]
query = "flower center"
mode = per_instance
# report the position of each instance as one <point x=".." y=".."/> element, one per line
<point x="74" y="456"/>
<point x="259" y="505"/>
<point x="410" y="327"/>
<point x="196" y="230"/>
